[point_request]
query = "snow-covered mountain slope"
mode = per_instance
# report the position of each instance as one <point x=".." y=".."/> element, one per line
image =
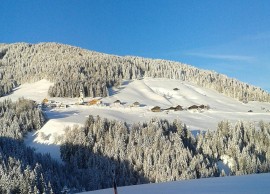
<point x="35" y="91"/>
<point x="248" y="184"/>
<point x="149" y="92"/>
<point x="71" y="68"/>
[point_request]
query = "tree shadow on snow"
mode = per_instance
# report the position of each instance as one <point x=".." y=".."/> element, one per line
<point x="60" y="115"/>
<point x="112" y="91"/>
<point x="82" y="169"/>
<point x="99" y="170"/>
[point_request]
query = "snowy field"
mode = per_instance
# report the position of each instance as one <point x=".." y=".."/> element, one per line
<point x="248" y="184"/>
<point x="149" y="92"/>
<point x="35" y="91"/>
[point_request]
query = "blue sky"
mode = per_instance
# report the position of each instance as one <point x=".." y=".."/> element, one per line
<point x="228" y="36"/>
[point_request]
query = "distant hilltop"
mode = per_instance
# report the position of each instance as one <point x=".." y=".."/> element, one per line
<point x="72" y="69"/>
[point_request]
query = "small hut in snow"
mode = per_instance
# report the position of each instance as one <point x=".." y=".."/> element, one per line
<point x="94" y="102"/>
<point x="117" y="102"/>
<point x="206" y="107"/>
<point x="193" y="107"/>
<point x="178" y="108"/>
<point x="136" y="104"/>
<point x="156" y="109"/>
<point x="171" y="108"/>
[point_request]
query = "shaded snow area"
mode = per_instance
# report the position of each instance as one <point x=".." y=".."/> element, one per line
<point x="248" y="184"/>
<point x="223" y="166"/>
<point x="52" y="149"/>
<point x="149" y="92"/>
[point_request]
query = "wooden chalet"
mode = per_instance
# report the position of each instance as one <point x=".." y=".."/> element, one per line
<point x="178" y="108"/>
<point x="94" y="102"/>
<point x="193" y="107"/>
<point x="156" y="109"/>
<point x="136" y="104"/>
<point x="117" y="102"/>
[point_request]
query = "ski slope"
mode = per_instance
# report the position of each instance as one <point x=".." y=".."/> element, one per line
<point x="248" y="184"/>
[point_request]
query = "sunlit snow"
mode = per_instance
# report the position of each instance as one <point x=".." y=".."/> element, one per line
<point x="248" y="184"/>
<point x="149" y="92"/>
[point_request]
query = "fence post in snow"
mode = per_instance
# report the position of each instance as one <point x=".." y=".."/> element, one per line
<point x="114" y="183"/>
<point x="114" y="187"/>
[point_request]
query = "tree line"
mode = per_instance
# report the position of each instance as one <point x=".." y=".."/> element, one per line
<point x="72" y="69"/>
<point x="22" y="170"/>
<point x="149" y="152"/>
<point x="159" y="151"/>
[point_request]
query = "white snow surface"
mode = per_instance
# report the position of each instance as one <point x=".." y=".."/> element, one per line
<point x="159" y="92"/>
<point x="149" y="92"/>
<point x="248" y="184"/>
<point x="35" y="91"/>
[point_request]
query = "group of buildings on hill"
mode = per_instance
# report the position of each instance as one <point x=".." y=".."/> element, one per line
<point x="81" y="101"/>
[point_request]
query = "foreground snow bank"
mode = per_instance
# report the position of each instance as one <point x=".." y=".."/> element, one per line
<point x="257" y="183"/>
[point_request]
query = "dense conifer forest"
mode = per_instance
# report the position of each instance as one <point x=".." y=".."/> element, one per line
<point x="22" y="170"/>
<point x="159" y="151"/>
<point x="71" y="69"/>
<point x="155" y="151"/>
